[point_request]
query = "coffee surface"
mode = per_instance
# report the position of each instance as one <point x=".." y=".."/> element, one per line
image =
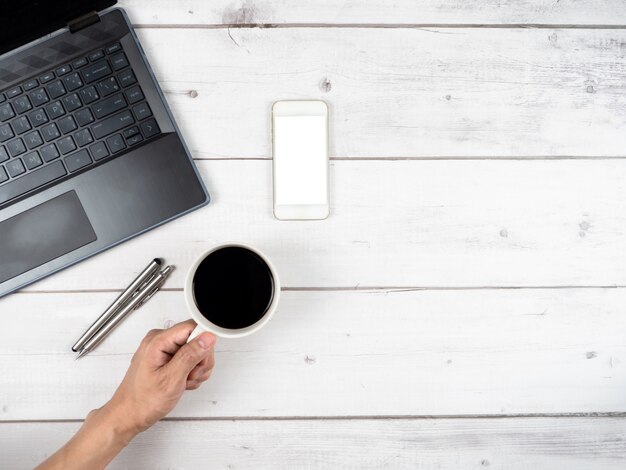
<point x="233" y="288"/>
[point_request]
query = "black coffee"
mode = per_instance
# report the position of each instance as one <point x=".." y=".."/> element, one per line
<point x="233" y="287"/>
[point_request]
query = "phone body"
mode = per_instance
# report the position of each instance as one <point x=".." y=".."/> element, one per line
<point x="300" y="160"/>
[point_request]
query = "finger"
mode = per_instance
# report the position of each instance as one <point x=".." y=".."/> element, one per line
<point x="153" y="332"/>
<point x="204" y="366"/>
<point x="145" y="342"/>
<point x="196" y="372"/>
<point x="204" y="376"/>
<point x="191" y="354"/>
<point x="149" y="336"/>
<point x="193" y="385"/>
<point x="171" y="340"/>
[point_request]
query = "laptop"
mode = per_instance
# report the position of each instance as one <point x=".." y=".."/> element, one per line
<point x="90" y="155"/>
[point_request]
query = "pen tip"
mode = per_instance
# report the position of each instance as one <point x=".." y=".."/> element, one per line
<point x="158" y="261"/>
<point x="81" y="353"/>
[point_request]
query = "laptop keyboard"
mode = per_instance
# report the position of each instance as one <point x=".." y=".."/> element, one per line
<point x="68" y="119"/>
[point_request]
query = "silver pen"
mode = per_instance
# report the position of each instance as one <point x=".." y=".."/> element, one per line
<point x="137" y="301"/>
<point x="145" y="276"/>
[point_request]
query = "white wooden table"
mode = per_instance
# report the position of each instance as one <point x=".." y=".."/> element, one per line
<point x="465" y="304"/>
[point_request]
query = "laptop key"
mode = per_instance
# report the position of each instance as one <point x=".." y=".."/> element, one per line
<point x="6" y="133"/>
<point x="50" y="132"/>
<point x="64" y="70"/>
<point x="109" y="105"/>
<point x="56" y="89"/>
<point x="84" y="117"/>
<point x="13" y="92"/>
<point x="38" y="117"/>
<point x="150" y="128"/>
<point x="116" y="143"/>
<point x="33" y="140"/>
<point x="94" y="56"/>
<point x="72" y="102"/>
<point x="83" y="137"/>
<point x="39" y="96"/>
<point x="21" y="125"/>
<point x="4" y="156"/>
<point x="15" y="148"/>
<point x="15" y="167"/>
<point x="112" y="124"/>
<point x="142" y="111"/>
<point x="32" y="160"/>
<point x="73" y="82"/>
<point x="49" y="153"/>
<point x="6" y="112"/>
<point x="127" y="78"/>
<point x="99" y="151"/>
<point x="119" y="61"/>
<point x="30" y="84"/>
<point x="114" y="48"/>
<point x="3" y="175"/>
<point x="67" y="124"/>
<point x="47" y="77"/>
<point x="108" y="86"/>
<point x="22" y="104"/>
<point x="96" y="71"/>
<point x="33" y="180"/>
<point x="134" y="140"/>
<point x="128" y="133"/>
<point x="89" y="95"/>
<point x="55" y="109"/>
<point x="134" y="95"/>
<point x="66" y="145"/>
<point x="80" y="63"/>
<point x="78" y="160"/>
<point x="3" y="98"/>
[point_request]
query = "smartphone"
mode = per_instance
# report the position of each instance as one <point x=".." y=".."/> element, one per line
<point x="300" y="153"/>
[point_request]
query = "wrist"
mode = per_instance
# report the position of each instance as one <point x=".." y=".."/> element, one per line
<point x="104" y="434"/>
<point x="113" y="417"/>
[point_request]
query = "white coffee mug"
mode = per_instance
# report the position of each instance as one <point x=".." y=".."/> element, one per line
<point x="206" y="325"/>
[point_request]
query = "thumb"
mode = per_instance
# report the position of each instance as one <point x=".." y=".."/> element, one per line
<point x="188" y="356"/>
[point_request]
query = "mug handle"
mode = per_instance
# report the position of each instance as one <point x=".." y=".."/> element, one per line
<point x="196" y="332"/>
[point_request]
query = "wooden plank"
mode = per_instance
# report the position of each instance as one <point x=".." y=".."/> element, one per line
<point x="349" y="353"/>
<point x="507" y="444"/>
<point x="400" y="92"/>
<point x="217" y="12"/>
<point x="403" y="223"/>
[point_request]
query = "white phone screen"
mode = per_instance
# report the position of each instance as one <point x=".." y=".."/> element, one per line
<point x="300" y="160"/>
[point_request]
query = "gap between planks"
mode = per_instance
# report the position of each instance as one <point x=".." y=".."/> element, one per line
<point x="346" y="289"/>
<point x="591" y="415"/>
<point x="424" y="26"/>
<point x="444" y="158"/>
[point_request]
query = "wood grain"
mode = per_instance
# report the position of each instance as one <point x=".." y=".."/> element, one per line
<point x="501" y="444"/>
<point x="402" y="223"/>
<point x="400" y="92"/>
<point x="237" y="12"/>
<point x="365" y="353"/>
<point x="531" y="80"/>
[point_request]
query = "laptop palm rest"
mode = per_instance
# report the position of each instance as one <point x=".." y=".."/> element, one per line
<point x="43" y="233"/>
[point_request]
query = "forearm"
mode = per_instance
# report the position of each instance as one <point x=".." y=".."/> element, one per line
<point x="102" y="436"/>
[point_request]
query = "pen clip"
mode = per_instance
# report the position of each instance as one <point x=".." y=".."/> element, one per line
<point x="149" y="296"/>
<point x="145" y="283"/>
<point x="164" y="275"/>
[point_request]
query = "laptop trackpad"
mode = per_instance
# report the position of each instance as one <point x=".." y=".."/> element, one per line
<point x="42" y="234"/>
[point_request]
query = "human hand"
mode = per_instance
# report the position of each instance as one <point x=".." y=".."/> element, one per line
<point x="163" y="367"/>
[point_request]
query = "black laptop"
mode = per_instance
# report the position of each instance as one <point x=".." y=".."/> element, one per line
<point x="90" y="155"/>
